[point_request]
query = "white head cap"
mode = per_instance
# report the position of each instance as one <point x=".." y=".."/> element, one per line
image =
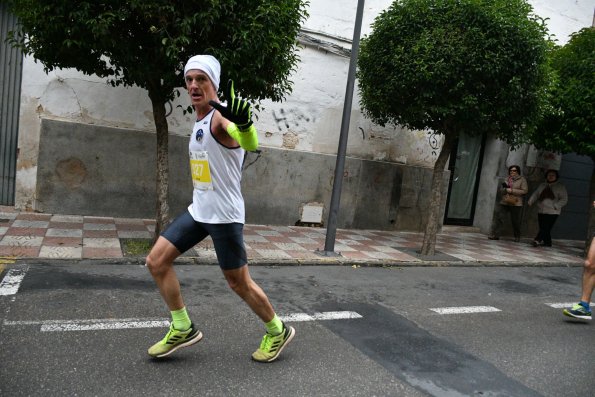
<point x="208" y="64"/>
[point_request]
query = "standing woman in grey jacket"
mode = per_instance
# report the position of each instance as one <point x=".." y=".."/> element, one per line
<point x="550" y="197"/>
<point x="511" y="203"/>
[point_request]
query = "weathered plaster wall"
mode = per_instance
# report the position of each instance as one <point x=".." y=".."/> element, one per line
<point x="494" y="160"/>
<point x="69" y="95"/>
<point x="81" y="171"/>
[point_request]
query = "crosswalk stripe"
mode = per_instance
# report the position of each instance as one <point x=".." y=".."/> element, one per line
<point x="465" y="309"/>
<point x="135" y="323"/>
<point x="92" y="324"/>
<point x="12" y="281"/>
<point x="297" y="317"/>
<point x="104" y="326"/>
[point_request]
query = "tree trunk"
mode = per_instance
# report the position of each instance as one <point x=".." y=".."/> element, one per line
<point x="162" y="176"/>
<point x="429" y="243"/>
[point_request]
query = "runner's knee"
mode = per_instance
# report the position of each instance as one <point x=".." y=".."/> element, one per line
<point x="590" y="264"/>
<point x="236" y="284"/>
<point x="590" y="261"/>
<point x="156" y="267"/>
<point x="150" y="263"/>
<point x="240" y="285"/>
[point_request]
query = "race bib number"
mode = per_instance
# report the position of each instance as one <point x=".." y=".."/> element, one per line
<point x="199" y="169"/>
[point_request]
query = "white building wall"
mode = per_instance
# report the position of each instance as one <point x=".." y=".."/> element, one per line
<point x="308" y="120"/>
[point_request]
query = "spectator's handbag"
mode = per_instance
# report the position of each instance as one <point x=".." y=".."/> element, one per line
<point x="510" y="199"/>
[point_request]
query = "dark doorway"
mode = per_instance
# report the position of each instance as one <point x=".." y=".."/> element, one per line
<point x="465" y="168"/>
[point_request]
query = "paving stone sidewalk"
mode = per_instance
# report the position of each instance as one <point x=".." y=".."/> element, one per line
<point x="55" y="236"/>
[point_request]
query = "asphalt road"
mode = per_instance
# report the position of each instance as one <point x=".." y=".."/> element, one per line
<point x="64" y="332"/>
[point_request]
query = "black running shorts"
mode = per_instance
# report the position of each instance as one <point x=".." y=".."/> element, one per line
<point x="184" y="233"/>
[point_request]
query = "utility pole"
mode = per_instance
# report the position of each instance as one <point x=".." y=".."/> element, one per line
<point x="331" y="229"/>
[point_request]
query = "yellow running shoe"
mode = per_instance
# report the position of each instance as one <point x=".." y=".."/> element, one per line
<point x="271" y="345"/>
<point x="175" y="339"/>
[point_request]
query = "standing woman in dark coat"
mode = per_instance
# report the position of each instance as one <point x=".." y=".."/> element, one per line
<point x="550" y="196"/>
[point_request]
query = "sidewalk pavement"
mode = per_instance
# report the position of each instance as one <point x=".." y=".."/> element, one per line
<point x="26" y="235"/>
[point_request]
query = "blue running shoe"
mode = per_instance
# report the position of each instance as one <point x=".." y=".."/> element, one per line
<point x="578" y="311"/>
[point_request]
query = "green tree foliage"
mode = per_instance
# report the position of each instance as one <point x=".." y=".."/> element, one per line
<point x="452" y="67"/>
<point x="147" y="42"/>
<point x="570" y="125"/>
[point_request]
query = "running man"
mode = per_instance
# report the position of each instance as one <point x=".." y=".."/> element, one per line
<point x="220" y="137"/>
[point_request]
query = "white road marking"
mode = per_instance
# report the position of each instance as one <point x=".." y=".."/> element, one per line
<point x="135" y="323"/>
<point x="104" y="325"/>
<point x="465" y="309"/>
<point x="298" y="317"/>
<point x="12" y="281"/>
<point x="94" y="324"/>
<point x="564" y="305"/>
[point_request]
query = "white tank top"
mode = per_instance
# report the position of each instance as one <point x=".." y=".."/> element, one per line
<point x="216" y="173"/>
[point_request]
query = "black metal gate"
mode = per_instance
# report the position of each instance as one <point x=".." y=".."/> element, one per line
<point x="575" y="174"/>
<point x="11" y="66"/>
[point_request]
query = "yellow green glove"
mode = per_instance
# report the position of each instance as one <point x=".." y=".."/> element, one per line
<point x="238" y="111"/>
